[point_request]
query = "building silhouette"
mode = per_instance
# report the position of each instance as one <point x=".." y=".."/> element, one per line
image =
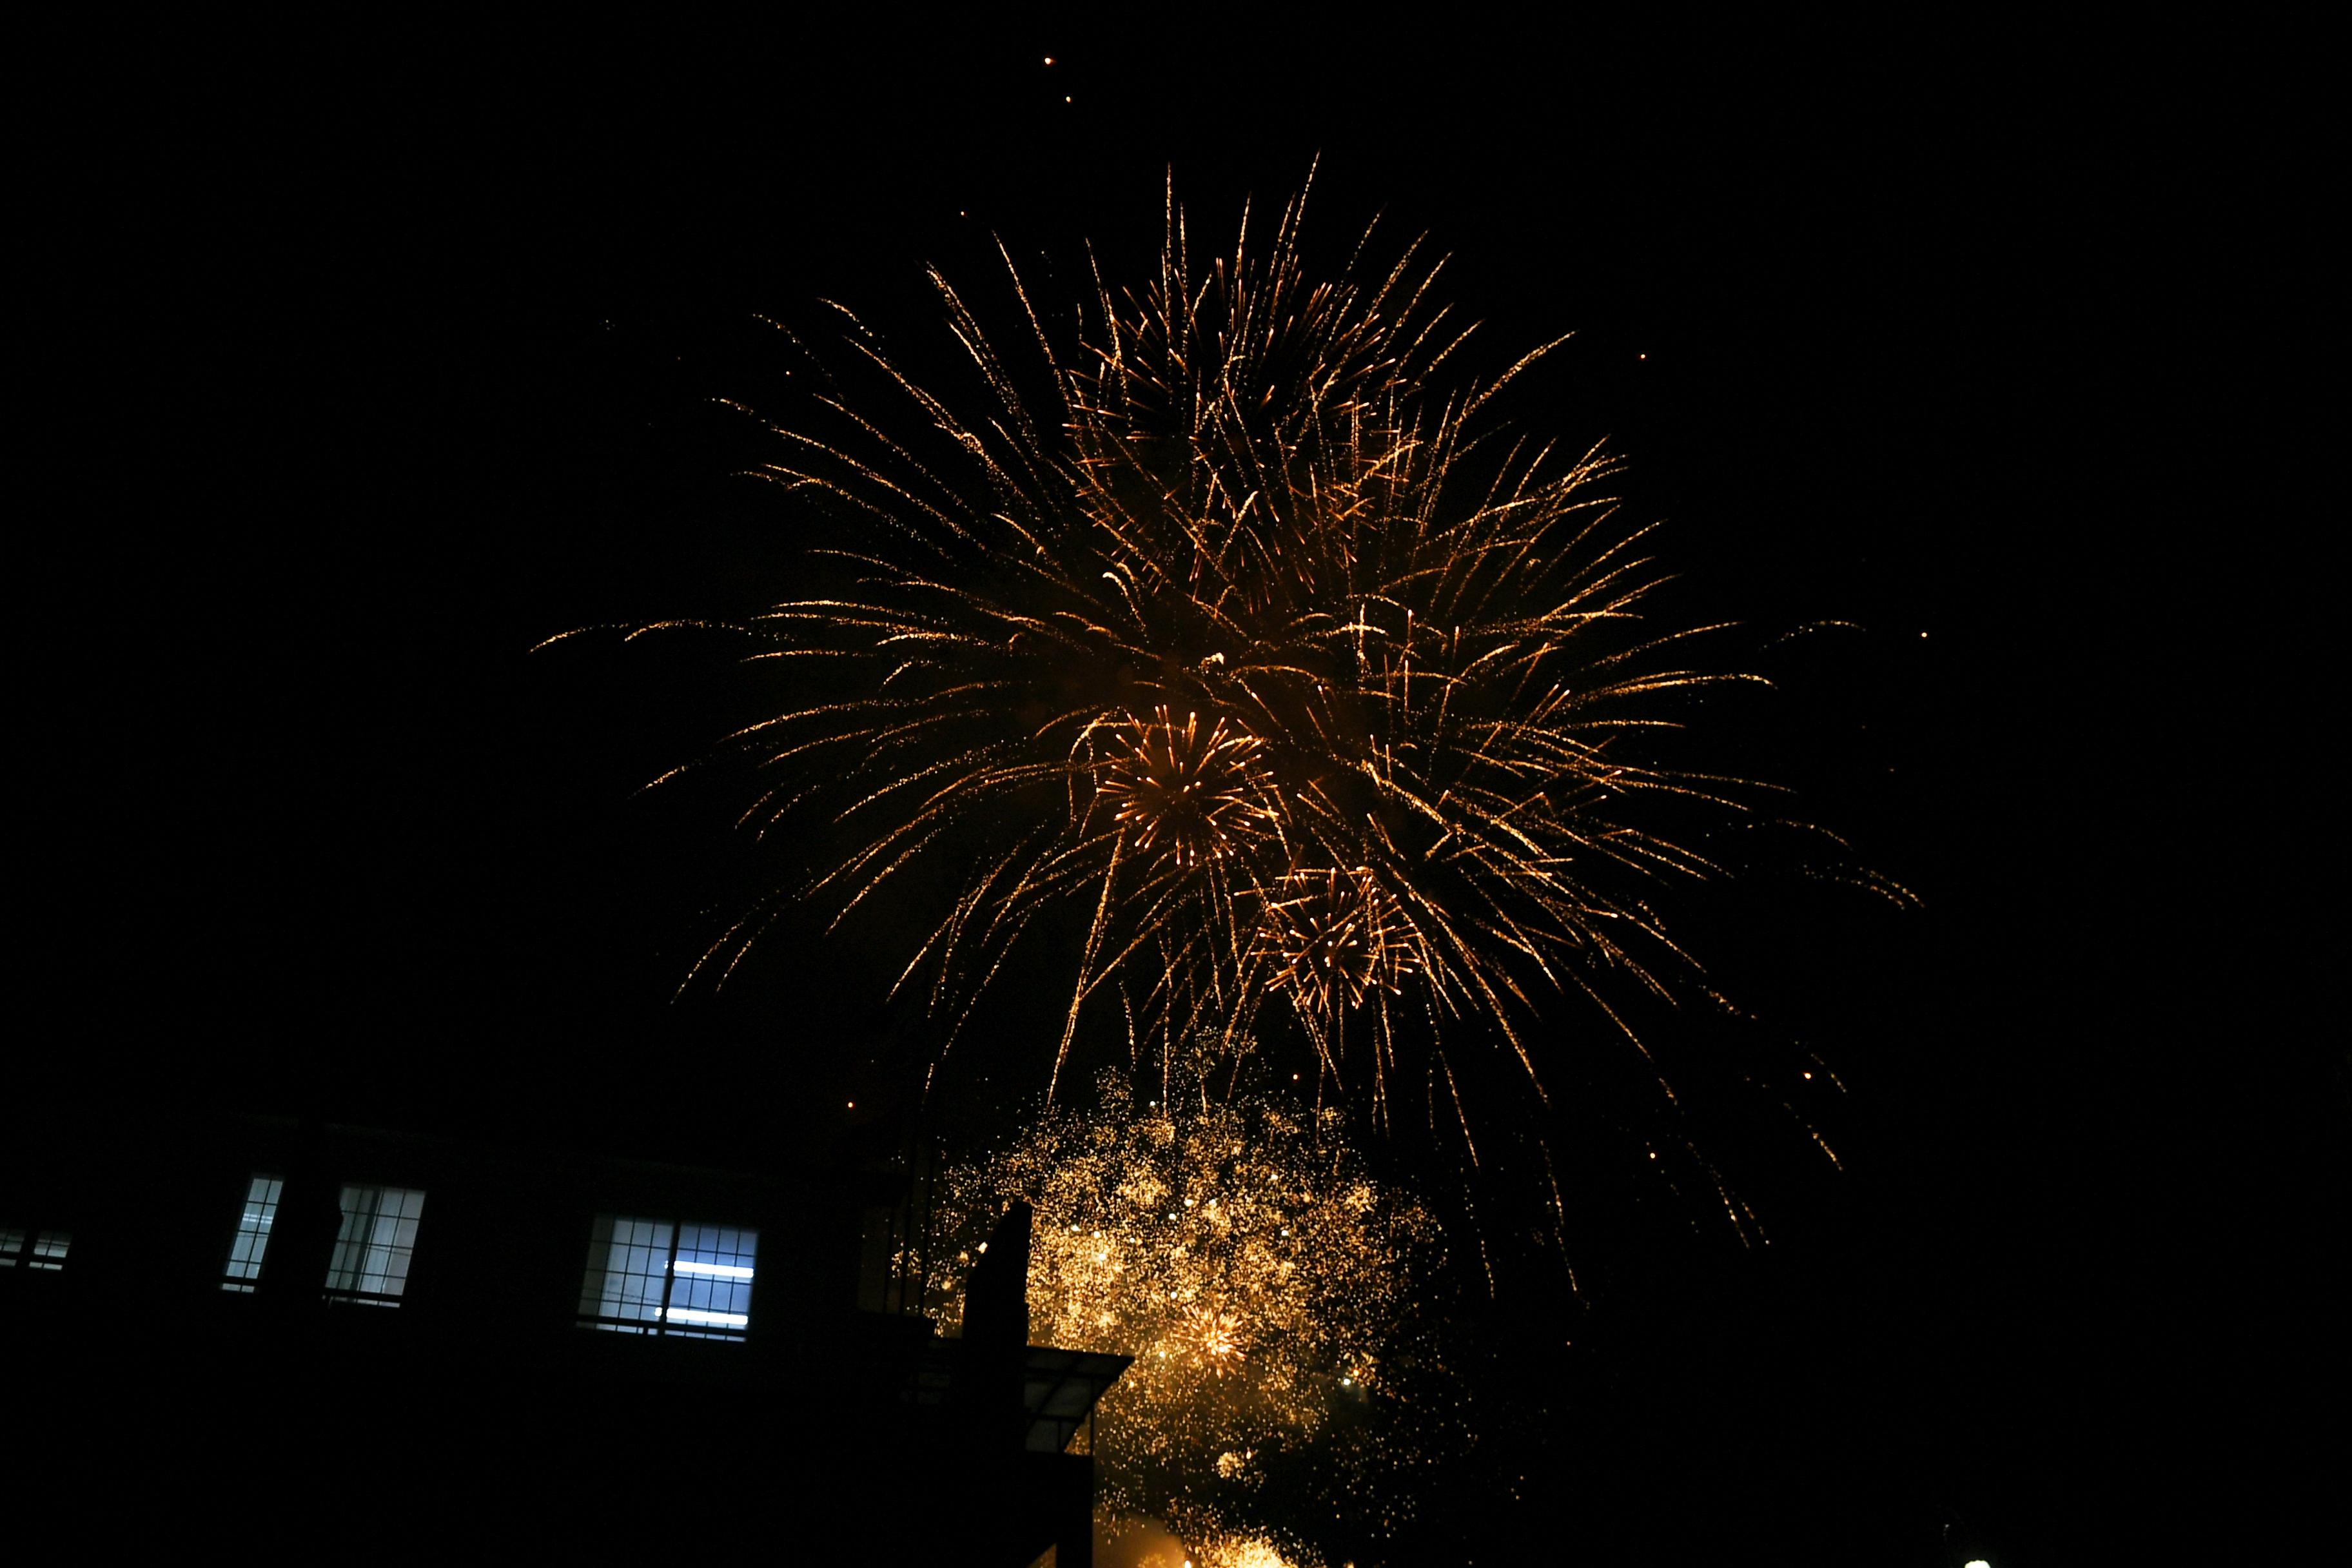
<point x="297" y="1337"/>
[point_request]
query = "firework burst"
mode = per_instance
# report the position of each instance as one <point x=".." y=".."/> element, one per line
<point x="1333" y="937"/>
<point x="1191" y="797"/>
<point x="1395" y="662"/>
<point x="1267" y="1286"/>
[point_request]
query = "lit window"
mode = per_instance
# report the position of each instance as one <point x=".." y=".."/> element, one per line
<point x="252" y="1234"/>
<point x="46" y="1251"/>
<point x="650" y="1277"/>
<point x="371" y="1251"/>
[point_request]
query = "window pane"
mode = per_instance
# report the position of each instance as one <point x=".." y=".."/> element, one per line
<point x="628" y="1259"/>
<point x="378" y="1236"/>
<point x="252" y="1239"/>
<point x="644" y="1276"/>
<point x="711" y="1289"/>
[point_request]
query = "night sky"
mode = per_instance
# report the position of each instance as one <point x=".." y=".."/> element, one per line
<point x="349" y="382"/>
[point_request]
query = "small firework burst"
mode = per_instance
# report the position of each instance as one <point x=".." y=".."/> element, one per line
<point x="1218" y="1335"/>
<point x="1191" y="797"/>
<point x="1334" y="936"/>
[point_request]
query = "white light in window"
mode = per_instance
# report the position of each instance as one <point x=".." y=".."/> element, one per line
<point x="716" y="1270"/>
<point x="715" y="1319"/>
<point x="252" y="1238"/>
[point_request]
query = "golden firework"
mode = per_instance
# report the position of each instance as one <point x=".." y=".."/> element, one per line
<point x="1218" y="1333"/>
<point x="1401" y="673"/>
<point x="1334" y="936"/>
<point x="1260" y="1277"/>
<point x="1190" y="795"/>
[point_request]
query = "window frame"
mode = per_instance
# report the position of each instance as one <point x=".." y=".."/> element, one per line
<point x="240" y="1276"/>
<point x="679" y="1240"/>
<point x="354" y="1258"/>
<point x="36" y="1249"/>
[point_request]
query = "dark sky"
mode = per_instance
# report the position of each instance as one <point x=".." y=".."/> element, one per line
<point x="355" y="380"/>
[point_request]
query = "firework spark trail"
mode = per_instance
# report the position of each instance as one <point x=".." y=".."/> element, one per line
<point x="1266" y="1285"/>
<point x="1226" y="628"/>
